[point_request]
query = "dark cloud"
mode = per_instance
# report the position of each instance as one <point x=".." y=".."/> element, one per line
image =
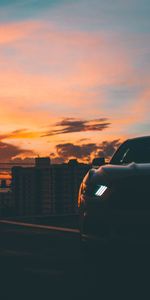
<point x="108" y="148"/>
<point x="71" y="125"/>
<point x="52" y="154"/>
<point x="57" y="160"/>
<point x="83" y="140"/>
<point x="85" y="151"/>
<point x="78" y="151"/>
<point x="9" y="151"/>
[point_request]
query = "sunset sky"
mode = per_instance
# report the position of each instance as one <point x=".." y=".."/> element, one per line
<point x="74" y="77"/>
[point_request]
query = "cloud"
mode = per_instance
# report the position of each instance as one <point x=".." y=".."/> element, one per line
<point x="57" y="160"/>
<point x="9" y="151"/>
<point x="12" y="134"/>
<point x="65" y="72"/>
<point x="71" y="125"/>
<point x="71" y="150"/>
<point x="85" y="152"/>
<point x="83" y="140"/>
<point x="68" y="72"/>
<point x="64" y="151"/>
<point x="108" y="148"/>
<point x="20" y="134"/>
<point x="25" y="160"/>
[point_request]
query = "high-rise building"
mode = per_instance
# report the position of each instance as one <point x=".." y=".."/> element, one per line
<point x="47" y="188"/>
<point x="66" y="179"/>
<point x="24" y="189"/>
<point x="6" y="202"/>
<point x="43" y="172"/>
<point x="42" y="162"/>
<point x="3" y="183"/>
<point x="31" y="188"/>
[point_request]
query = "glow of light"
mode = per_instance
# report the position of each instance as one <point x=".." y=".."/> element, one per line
<point x="101" y="190"/>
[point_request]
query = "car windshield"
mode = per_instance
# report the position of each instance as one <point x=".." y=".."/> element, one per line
<point x="137" y="151"/>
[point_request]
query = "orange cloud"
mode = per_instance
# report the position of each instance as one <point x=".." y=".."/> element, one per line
<point x="20" y="134"/>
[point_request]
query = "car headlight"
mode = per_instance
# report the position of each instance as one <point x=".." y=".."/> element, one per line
<point x="101" y="190"/>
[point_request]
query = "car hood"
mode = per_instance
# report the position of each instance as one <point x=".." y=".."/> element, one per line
<point x="115" y="172"/>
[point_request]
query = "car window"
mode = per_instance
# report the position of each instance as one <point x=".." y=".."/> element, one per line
<point x="132" y="152"/>
<point x="137" y="155"/>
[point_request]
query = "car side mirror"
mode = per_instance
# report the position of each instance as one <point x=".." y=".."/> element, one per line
<point x="98" y="161"/>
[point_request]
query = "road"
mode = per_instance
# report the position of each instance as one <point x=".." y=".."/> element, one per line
<point x="42" y="263"/>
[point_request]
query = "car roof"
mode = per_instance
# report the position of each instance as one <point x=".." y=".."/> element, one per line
<point x="139" y="139"/>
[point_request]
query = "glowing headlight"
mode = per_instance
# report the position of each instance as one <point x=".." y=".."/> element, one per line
<point x="101" y="190"/>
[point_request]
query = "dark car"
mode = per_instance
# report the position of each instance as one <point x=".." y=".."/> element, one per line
<point x="114" y="200"/>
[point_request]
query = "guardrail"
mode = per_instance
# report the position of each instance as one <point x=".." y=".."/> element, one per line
<point x="66" y="221"/>
<point x="30" y="225"/>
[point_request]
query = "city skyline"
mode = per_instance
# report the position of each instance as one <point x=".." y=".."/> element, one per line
<point x="41" y="189"/>
<point x="74" y="77"/>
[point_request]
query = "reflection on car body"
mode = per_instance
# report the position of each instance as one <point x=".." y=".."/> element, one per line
<point x="114" y="200"/>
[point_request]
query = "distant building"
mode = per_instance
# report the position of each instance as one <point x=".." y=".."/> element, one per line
<point x="6" y="202"/>
<point x="42" y="162"/>
<point x="47" y="188"/>
<point x="66" y="179"/>
<point x="24" y="189"/>
<point x="43" y="172"/>
<point x="3" y="183"/>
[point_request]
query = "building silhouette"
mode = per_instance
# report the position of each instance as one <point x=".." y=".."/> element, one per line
<point x="3" y="183"/>
<point x="43" y="192"/>
<point x="6" y="200"/>
<point x="24" y="190"/>
<point x="65" y="182"/>
<point x="47" y="188"/>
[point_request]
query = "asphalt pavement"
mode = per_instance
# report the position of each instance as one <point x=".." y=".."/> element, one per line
<point x="42" y="263"/>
